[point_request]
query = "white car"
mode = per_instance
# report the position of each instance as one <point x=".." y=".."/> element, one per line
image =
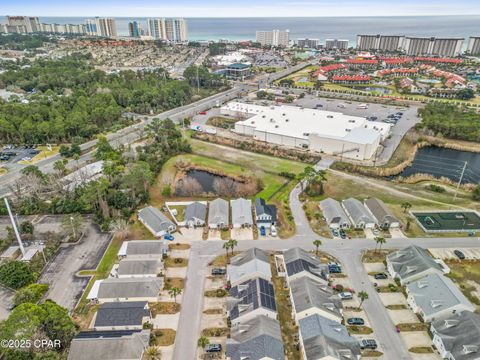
<point x="26" y="158"/>
<point x="273" y="231"/>
<point x="346" y="295"/>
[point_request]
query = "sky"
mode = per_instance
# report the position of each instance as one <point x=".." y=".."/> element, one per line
<point x="238" y="8"/>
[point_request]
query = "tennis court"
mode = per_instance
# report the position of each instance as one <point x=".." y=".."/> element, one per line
<point x="448" y="221"/>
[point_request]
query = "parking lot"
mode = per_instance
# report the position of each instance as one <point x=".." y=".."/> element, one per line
<point x="12" y="154"/>
<point x="448" y="253"/>
<point x="65" y="288"/>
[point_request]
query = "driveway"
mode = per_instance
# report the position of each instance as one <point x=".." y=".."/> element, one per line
<point x="65" y="288"/>
<point x="405" y="316"/>
<point x="397" y="233"/>
<point x="242" y="234"/>
<point x="396" y="298"/>
<point x="416" y="338"/>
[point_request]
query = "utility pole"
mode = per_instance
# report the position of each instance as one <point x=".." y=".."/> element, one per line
<point x="15" y="229"/>
<point x="460" y="180"/>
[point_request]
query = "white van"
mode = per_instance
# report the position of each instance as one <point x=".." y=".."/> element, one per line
<point x="362" y="106"/>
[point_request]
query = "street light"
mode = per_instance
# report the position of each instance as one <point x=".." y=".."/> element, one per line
<point x="73" y="227"/>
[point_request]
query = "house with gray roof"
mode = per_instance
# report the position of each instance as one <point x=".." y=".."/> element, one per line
<point x="109" y="345"/>
<point x="381" y="213"/>
<point x="126" y="289"/>
<point x="250" y="299"/>
<point x="299" y="263"/>
<point x="324" y="339"/>
<point x="218" y="214"/>
<point x="249" y="264"/>
<point x="241" y="213"/>
<point x="130" y="268"/>
<point x="413" y="263"/>
<point x="334" y="214"/>
<point x="358" y="214"/>
<point x="141" y="249"/>
<point x="309" y="298"/>
<point x="458" y="337"/>
<point x="258" y="338"/>
<point x="157" y="223"/>
<point x="195" y="214"/>
<point x="436" y="297"/>
<point x="265" y="214"/>
<point x="121" y="316"/>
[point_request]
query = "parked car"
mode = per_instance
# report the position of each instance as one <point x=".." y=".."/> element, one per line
<point x="370" y="344"/>
<point x="380" y="276"/>
<point x="335" y="232"/>
<point x="334" y="268"/>
<point x="26" y="158"/>
<point x="459" y="254"/>
<point x="203" y="113"/>
<point x="345" y="295"/>
<point x="355" y="321"/>
<point x="219" y="271"/>
<point x="273" y="231"/>
<point x="343" y="234"/>
<point x="375" y="232"/>
<point x="263" y="231"/>
<point x="213" y="348"/>
<point x="169" y="237"/>
<point x="319" y="105"/>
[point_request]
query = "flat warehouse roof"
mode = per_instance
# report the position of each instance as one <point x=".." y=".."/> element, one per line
<point x="301" y="122"/>
<point x="448" y="220"/>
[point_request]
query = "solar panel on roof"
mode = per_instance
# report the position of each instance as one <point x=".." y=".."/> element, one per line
<point x="104" y="334"/>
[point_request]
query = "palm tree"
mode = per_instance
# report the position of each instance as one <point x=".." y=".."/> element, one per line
<point x="317" y="243"/>
<point x="153" y="353"/>
<point x="380" y="240"/>
<point x="202" y="342"/>
<point x="174" y="292"/>
<point x="226" y="246"/>
<point x="362" y="295"/>
<point x="233" y="243"/>
<point x="405" y="206"/>
<point x="120" y="228"/>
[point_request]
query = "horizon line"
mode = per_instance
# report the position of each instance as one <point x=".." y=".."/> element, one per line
<point x="239" y="17"/>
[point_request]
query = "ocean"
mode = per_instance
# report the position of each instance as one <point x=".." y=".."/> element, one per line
<point x="311" y="27"/>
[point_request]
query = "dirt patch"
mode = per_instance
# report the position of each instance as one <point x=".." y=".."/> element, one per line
<point x="216" y="332"/>
<point x="178" y="246"/>
<point x="164" y="308"/>
<point x="175" y="262"/>
<point x="373" y="256"/>
<point x="213" y="312"/>
<point x="174" y="283"/>
<point x="219" y="293"/>
<point x="164" y="337"/>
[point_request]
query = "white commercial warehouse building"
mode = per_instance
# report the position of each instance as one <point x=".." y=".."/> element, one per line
<point x="317" y="130"/>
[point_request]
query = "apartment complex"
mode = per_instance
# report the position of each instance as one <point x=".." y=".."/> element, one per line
<point x="331" y="44"/>
<point x="25" y="24"/>
<point x="308" y="43"/>
<point x="105" y="27"/>
<point x="134" y="29"/>
<point x="380" y="42"/>
<point x="175" y="30"/>
<point x="273" y="37"/>
<point x="474" y="45"/>
<point x="433" y="46"/>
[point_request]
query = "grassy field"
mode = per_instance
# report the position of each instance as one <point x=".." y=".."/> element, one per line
<point x="45" y="152"/>
<point x="164" y="337"/>
<point x="235" y="162"/>
<point x="467" y="275"/>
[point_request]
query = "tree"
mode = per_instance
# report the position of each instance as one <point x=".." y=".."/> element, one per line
<point x="476" y="193"/>
<point x="314" y="179"/>
<point x="174" y="292"/>
<point x="59" y="166"/>
<point x="317" y="243"/>
<point x="30" y="294"/>
<point x="261" y="94"/>
<point x="362" y="295"/>
<point x="466" y="94"/>
<point x="72" y="225"/>
<point x="202" y="342"/>
<point x="153" y="353"/>
<point x="120" y="228"/>
<point x="226" y="246"/>
<point x="233" y="243"/>
<point x="379" y="240"/>
<point x="16" y="274"/>
<point x="32" y="170"/>
<point x="318" y="85"/>
<point x="26" y="227"/>
<point x="405" y="206"/>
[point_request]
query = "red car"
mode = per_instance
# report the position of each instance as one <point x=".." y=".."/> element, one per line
<point x="203" y="113"/>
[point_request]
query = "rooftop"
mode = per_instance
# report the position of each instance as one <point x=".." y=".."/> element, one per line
<point x="412" y="260"/>
<point x="126" y="288"/>
<point x="121" y="314"/>
<point x="139" y="267"/>
<point x="301" y="122"/>
<point x="251" y="295"/>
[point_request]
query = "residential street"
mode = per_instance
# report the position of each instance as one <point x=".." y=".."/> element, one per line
<point x="348" y="252"/>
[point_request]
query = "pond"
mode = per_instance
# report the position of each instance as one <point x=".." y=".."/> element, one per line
<point x="445" y="162"/>
<point x="197" y="182"/>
